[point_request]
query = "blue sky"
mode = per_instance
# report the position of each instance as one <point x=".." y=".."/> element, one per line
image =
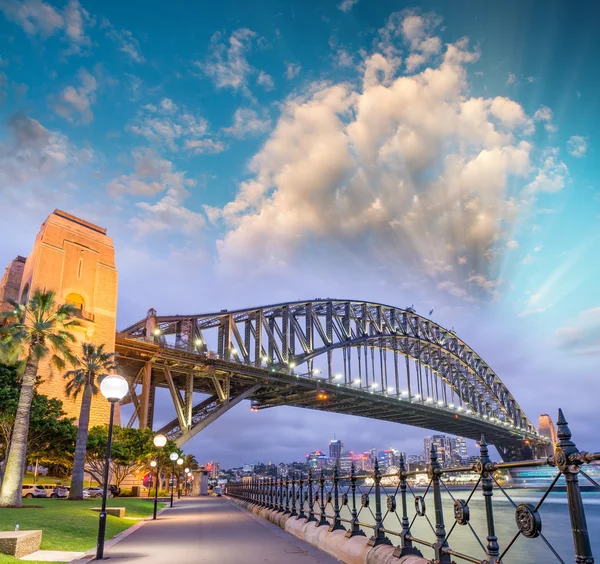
<point x="245" y="153"/>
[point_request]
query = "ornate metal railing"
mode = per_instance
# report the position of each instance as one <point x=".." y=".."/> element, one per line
<point x="341" y="504"/>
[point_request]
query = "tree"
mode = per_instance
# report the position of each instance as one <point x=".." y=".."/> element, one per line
<point x="131" y="452"/>
<point x="93" y="364"/>
<point x="51" y="437"/>
<point x="39" y="329"/>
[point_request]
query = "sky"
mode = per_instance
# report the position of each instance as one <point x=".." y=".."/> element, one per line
<point x="434" y="154"/>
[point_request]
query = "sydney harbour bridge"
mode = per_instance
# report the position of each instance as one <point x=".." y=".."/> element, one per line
<point x="341" y="356"/>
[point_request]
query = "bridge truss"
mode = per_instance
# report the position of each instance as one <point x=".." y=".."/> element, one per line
<point x="341" y="356"/>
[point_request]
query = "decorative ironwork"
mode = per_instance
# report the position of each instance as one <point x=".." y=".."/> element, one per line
<point x="461" y="512"/>
<point x="528" y="520"/>
<point x="567" y="460"/>
<point x="420" y="508"/>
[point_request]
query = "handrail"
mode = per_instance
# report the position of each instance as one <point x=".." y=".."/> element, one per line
<point x="567" y="459"/>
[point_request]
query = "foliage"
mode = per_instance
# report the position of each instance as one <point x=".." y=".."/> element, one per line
<point x="132" y="450"/>
<point x="51" y="437"/>
<point x="93" y="364"/>
<point x="37" y="329"/>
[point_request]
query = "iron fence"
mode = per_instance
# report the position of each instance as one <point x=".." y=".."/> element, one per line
<point x="340" y="504"/>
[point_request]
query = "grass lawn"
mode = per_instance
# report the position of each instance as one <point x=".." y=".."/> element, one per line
<point x="71" y="525"/>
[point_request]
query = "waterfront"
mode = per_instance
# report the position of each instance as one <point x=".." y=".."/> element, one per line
<point x="556" y="526"/>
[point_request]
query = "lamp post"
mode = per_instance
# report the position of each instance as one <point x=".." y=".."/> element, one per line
<point x="179" y="463"/>
<point x="113" y="388"/>
<point x="188" y="482"/>
<point x="159" y="442"/>
<point x="173" y="456"/>
<point x="185" y="473"/>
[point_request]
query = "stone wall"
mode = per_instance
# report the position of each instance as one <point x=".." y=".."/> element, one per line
<point x="354" y="550"/>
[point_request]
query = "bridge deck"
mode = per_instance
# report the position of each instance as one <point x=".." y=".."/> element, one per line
<point x="211" y="530"/>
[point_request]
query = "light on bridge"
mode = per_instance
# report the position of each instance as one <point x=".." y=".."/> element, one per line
<point x="316" y="371"/>
<point x="390" y="389"/>
<point x="198" y="342"/>
<point x="429" y="400"/>
<point x="292" y="365"/>
<point x="357" y="381"/>
<point x="374" y="385"/>
<point x="416" y="396"/>
<point x="404" y="392"/>
<point x="338" y="376"/>
<point x="157" y="331"/>
<point x="450" y="405"/>
<point x="265" y="359"/>
<point x="440" y="402"/>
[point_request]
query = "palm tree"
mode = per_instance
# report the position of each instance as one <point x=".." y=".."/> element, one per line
<point x="41" y="329"/>
<point x="92" y="366"/>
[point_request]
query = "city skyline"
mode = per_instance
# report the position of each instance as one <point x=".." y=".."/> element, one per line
<point x="304" y="149"/>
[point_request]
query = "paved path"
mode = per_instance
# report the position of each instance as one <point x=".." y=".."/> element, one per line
<point x="212" y="530"/>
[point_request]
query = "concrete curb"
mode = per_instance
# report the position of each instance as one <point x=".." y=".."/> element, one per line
<point x="90" y="555"/>
<point x="350" y="551"/>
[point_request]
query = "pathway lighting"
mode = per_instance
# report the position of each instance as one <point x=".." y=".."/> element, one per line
<point x="179" y="463"/>
<point x="114" y="388"/>
<point x="173" y="457"/>
<point x="159" y="442"/>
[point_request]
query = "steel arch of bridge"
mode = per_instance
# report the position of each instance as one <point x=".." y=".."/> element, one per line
<point x="390" y="352"/>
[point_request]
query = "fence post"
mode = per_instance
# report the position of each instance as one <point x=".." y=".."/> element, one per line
<point x="565" y="458"/>
<point x="485" y="468"/>
<point x="406" y="546"/>
<point x="311" y="501"/>
<point x="322" y="517"/>
<point x="378" y="535"/>
<point x="440" y="529"/>
<point x="337" y="522"/>
<point x="287" y="496"/>
<point x="301" y="514"/>
<point x="294" y="513"/>
<point x="355" y="529"/>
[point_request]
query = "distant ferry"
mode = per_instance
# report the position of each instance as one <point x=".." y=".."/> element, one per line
<point x="542" y="476"/>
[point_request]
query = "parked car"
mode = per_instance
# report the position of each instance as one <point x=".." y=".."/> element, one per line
<point x="55" y="490"/>
<point x="33" y="490"/>
<point x="91" y="492"/>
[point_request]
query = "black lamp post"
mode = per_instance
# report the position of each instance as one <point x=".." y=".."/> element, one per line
<point x="113" y="388"/>
<point x="179" y="463"/>
<point x="186" y="477"/>
<point x="159" y="442"/>
<point x="173" y="456"/>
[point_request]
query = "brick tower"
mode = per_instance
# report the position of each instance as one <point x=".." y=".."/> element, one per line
<point x="74" y="258"/>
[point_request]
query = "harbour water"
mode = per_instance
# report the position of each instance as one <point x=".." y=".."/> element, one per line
<point x="556" y="527"/>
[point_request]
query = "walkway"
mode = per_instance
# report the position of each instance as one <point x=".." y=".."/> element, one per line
<point x="212" y="530"/>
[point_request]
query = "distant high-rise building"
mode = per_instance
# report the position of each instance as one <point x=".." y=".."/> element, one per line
<point x="388" y="458"/>
<point x="317" y="460"/>
<point x="373" y="454"/>
<point x="458" y="447"/>
<point x="214" y="469"/>
<point x="443" y="447"/>
<point x="335" y="449"/>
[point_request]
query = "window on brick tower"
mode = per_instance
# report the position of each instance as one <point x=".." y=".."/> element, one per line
<point x="76" y="301"/>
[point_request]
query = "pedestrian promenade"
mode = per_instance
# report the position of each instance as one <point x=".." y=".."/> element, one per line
<point x="212" y="530"/>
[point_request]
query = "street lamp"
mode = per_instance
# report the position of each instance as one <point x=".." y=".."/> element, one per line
<point x="159" y="442"/>
<point x="179" y="463"/>
<point x="186" y="471"/>
<point x="113" y="388"/>
<point x="173" y="456"/>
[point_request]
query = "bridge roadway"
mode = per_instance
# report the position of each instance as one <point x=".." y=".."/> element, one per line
<point x="211" y="530"/>
<point x="179" y="369"/>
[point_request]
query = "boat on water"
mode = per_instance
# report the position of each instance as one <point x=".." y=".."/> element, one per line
<point x="542" y="476"/>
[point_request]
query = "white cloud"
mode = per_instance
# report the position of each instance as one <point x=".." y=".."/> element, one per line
<point x="168" y="214"/>
<point x="544" y="114"/>
<point x="347" y="5"/>
<point x="200" y="146"/>
<point x="512" y="245"/>
<point x="577" y="146"/>
<point x="292" y="70"/>
<point x="227" y="65"/>
<point x="582" y="334"/>
<point x="74" y="103"/>
<point x="125" y="41"/>
<point x="551" y="176"/>
<point x="247" y="121"/>
<point x="36" y="17"/>
<point x="532" y="311"/>
<point x="512" y="78"/>
<point x="174" y="127"/>
<point x="265" y="80"/>
<point x="407" y="171"/>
